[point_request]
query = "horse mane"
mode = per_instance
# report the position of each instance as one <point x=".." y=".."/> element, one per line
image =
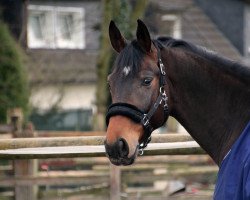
<point x="132" y="55"/>
<point x="232" y="67"/>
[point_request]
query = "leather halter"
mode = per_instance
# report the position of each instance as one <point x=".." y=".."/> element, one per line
<point x="138" y="115"/>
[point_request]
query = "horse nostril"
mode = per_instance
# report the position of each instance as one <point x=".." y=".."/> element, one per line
<point x="123" y="147"/>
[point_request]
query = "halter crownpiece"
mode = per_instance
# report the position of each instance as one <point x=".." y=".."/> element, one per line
<point x="138" y="115"/>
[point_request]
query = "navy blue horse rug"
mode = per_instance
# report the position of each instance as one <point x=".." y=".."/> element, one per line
<point x="234" y="173"/>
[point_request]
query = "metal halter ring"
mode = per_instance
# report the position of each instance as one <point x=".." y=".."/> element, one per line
<point x="140" y="152"/>
<point x="143" y="145"/>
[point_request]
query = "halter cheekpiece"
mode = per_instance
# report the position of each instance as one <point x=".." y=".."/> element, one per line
<point x="138" y="115"/>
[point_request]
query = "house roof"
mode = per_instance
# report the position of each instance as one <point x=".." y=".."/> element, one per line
<point x="197" y="27"/>
<point x="50" y="66"/>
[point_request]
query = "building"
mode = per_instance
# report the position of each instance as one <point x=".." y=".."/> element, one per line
<point x="63" y="42"/>
<point x="61" y="39"/>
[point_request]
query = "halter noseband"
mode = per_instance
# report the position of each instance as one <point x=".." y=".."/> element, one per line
<point x="138" y="115"/>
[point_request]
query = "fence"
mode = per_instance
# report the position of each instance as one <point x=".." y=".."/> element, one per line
<point x="90" y="146"/>
<point x="22" y="150"/>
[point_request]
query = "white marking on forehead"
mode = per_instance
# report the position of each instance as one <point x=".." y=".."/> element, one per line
<point x="126" y="70"/>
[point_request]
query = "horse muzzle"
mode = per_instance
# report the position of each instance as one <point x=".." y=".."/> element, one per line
<point x="118" y="153"/>
<point x="122" y="140"/>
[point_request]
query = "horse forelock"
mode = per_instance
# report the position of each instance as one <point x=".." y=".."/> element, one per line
<point x="129" y="60"/>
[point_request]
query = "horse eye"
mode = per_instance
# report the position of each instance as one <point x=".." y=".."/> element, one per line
<point x="147" y="81"/>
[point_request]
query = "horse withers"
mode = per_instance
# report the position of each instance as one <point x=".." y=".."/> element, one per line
<point x="208" y="94"/>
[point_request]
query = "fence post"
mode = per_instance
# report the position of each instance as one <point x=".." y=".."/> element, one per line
<point x="115" y="182"/>
<point x="22" y="167"/>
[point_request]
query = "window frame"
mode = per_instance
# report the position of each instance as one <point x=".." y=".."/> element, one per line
<point x="177" y="24"/>
<point x="80" y="43"/>
<point x="32" y="42"/>
<point x="56" y="42"/>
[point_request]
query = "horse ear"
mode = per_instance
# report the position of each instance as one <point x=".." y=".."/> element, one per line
<point x="143" y="36"/>
<point x="117" y="40"/>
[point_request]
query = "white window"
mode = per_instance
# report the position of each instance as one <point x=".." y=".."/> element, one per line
<point x="172" y="25"/>
<point x="56" y="27"/>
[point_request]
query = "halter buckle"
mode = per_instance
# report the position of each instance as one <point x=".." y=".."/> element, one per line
<point x="164" y="97"/>
<point x="162" y="91"/>
<point x="162" y="67"/>
<point x="145" y="120"/>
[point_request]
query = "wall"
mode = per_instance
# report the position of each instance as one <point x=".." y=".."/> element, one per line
<point x="66" y="73"/>
<point x="72" y="96"/>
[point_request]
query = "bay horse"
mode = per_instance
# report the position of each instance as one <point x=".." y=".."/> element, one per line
<point x="207" y="93"/>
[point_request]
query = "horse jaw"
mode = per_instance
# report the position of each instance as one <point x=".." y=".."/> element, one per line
<point x="121" y="127"/>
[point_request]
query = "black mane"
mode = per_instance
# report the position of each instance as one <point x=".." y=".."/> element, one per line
<point x="230" y="66"/>
<point x="132" y="55"/>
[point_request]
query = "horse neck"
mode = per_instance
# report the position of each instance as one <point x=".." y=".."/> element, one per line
<point x="213" y="106"/>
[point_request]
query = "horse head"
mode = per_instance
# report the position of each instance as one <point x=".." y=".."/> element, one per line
<point x="139" y="95"/>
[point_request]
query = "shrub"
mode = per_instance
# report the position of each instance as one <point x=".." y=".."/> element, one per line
<point x="13" y="79"/>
